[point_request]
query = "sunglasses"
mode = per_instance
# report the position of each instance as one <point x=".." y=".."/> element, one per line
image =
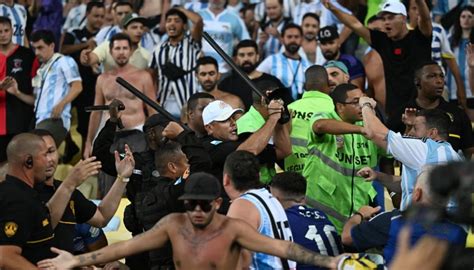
<point x="205" y="205"/>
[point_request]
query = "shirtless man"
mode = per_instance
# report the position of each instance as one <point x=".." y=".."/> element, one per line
<point x="310" y="46"/>
<point x="201" y="238"/>
<point x="208" y="76"/>
<point x="107" y="90"/>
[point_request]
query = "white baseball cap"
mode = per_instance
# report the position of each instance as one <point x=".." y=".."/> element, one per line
<point x="217" y="110"/>
<point x="395" y="7"/>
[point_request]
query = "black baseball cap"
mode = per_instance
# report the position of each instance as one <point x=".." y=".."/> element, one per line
<point x="328" y="33"/>
<point x="156" y="119"/>
<point x="201" y="186"/>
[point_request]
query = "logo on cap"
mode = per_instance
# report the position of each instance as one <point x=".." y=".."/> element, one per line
<point x="10" y="229"/>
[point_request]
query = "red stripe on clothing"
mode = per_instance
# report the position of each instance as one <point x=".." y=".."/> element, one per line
<point x="3" y="96"/>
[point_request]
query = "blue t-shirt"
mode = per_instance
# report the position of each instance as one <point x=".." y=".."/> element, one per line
<point x="445" y="230"/>
<point x="313" y="230"/>
<point x="374" y="233"/>
<point x="86" y="235"/>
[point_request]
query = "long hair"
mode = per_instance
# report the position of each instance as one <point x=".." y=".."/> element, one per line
<point x="457" y="31"/>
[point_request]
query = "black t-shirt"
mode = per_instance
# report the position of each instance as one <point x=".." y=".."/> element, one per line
<point x="25" y="220"/>
<point x="79" y="210"/>
<point x="237" y="86"/>
<point x="400" y="59"/>
<point x="460" y="132"/>
<point x="21" y="64"/>
<point x="89" y="78"/>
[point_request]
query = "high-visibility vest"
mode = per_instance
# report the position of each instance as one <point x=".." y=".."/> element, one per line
<point x="301" y="112"/>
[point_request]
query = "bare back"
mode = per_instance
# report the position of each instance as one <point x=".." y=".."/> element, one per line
<point x="134" y="113"/>
<point x="212" y="248"/>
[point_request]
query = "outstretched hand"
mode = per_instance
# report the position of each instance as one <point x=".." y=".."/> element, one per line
<point x="82" y="171"/>
<point x="408" y="117"/>
<point x="64" y="260"/>
<point x="125" y="166"/>
<point x="367" y="173"/>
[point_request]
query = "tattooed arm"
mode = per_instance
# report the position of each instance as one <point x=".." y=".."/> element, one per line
<point x="154" y="238"/>
<point x="250" y="239"/>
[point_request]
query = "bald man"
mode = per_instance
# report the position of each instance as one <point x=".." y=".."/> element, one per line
<point x="26" y="223"/>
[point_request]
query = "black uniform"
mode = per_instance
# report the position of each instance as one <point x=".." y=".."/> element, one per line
<point x="460" y="130"/>
<point x="79" y="210"/>
<point x="25" y="220"/>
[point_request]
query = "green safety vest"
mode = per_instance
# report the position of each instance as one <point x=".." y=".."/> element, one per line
<point x="301" y="112"/>
<point x="331" y="167"/>
<point x="252" y="121"/>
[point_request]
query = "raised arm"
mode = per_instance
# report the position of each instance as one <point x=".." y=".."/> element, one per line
<point x="470" y="62"/>
<point x="424" y="23"/>
<point x="335" y="127"/>
<point x="349" y="21"/>
<point x="198" y="24"/>
<point x="76" y="176"/>
<point x="108" y="206"/>
<point x="259" y="139"/>
<point x="151" y="239"/>
<point x="250" y="239"/>
<point x="375" y="130"/>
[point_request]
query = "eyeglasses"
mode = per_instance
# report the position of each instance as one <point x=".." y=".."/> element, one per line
<point x="205" y="205"/>
<point x="354" y="103"/>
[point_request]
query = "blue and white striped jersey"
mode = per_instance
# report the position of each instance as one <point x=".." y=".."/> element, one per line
<point x="289" y="71"/>
<point x="414" y="154"/>
<point x="262" y="261"/>
<point x="460" y="54"/>
<point x="440" y="47"/>
<point x="55" y="82"/>
<point x="273" y="44"/>
<point x="226" y="29"/>
<point x="17" y="15"/>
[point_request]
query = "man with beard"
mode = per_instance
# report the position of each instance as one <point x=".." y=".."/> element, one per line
<point x="208" y="75"/>
<point x="330" y="46"/>
<point x="134" y="115"/>
<point x="246" y="56"/>
<point x="288" y="65"/>
<point x="337" y="73"/>
<point x="133" y="26"/>
<point x="310" y="46"/>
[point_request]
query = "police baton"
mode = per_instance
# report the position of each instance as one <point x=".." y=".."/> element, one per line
<point x="285" y="116"/>
<point x="148" y="101"/>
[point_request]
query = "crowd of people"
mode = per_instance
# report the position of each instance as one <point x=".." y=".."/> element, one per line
<point x="281" y="160"/>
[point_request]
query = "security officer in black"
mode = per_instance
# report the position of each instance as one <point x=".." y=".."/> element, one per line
<point x="27" y="224"/>
<point x="79" y="209"/>
<point x="26" y="230"/>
